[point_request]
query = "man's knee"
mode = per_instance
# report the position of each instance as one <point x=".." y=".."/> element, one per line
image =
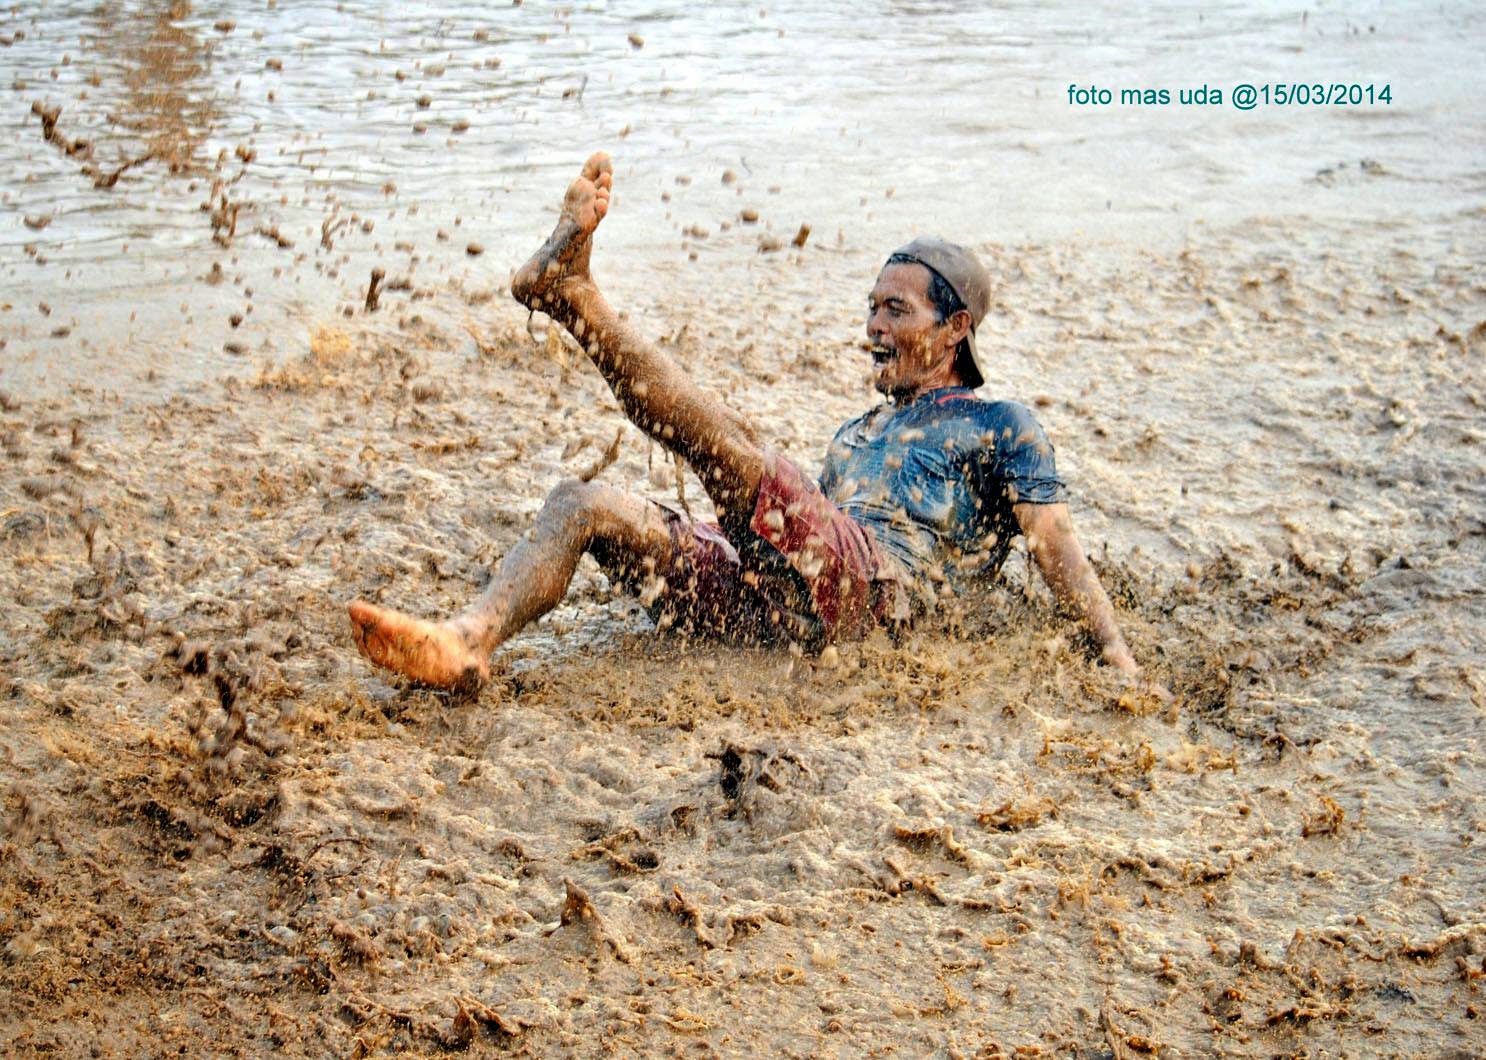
<point x="574" y="507"/>
<point x="741" y="424"/>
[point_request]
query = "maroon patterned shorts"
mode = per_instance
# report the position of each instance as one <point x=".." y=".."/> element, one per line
<point x="800" y="570"/>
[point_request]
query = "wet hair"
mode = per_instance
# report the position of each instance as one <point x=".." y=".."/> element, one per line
<point x="943" y="297"/>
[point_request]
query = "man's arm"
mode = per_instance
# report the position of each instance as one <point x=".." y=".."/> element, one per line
<point x="1067" y="571"/>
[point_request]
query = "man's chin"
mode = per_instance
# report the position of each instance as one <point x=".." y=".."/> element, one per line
<point x="891" y="387"/>
<point x="883" y="380"/>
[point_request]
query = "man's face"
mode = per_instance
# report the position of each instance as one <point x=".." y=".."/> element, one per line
<point x="911" y="349"/>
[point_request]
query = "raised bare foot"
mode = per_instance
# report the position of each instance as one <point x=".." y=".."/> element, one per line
<point x="564" y="256"/>
<point x="430" y="653"/>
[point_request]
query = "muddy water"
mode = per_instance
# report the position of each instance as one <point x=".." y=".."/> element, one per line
<point x="1262" y="369"/>
<point x="345" y="137"/>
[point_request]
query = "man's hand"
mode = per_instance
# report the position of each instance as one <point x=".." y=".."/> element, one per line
<point x="1142" y="695"/>
<point x="1118" y="657"/>
<point x="1067" y="571"/>
<point x="1129" y="688"/>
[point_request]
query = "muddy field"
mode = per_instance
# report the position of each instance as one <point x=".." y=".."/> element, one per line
<point x="222" y="834"/>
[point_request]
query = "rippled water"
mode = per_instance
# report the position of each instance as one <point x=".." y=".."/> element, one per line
<point x="395" y="126"/>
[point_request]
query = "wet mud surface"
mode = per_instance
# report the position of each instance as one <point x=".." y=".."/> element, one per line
<point x="222" y="834"/>
<point x="223" y="831"/>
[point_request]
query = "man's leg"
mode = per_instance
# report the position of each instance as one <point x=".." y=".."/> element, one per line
<point x="654" y="392"/>
<point x="656" y="395"/>
<point x="629" y="531"/>
<point x="820" y="565"/>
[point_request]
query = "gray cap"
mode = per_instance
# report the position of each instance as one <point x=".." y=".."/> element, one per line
<point x="963" y="271"/>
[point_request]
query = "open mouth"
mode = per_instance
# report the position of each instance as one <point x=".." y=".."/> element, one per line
<point x="882" y="354"/>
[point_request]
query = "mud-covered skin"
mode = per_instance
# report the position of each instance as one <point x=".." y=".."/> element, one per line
<point x="626" y="534"/>
<point x="428" y="652"/>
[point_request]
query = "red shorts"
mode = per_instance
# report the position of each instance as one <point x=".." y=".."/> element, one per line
<point x="802" y="570"/>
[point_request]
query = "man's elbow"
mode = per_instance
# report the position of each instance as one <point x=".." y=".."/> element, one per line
<point x="1043" y="524"/>
<point x="1051" y="541"/>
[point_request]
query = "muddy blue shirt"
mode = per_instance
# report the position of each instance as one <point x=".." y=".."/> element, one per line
<point x="934" y="481"/>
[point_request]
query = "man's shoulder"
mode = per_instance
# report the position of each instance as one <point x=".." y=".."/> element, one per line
<point x="964" y="404"/>
<point x="950" y="407"/>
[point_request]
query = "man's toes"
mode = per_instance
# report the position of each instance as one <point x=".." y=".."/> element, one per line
<point x="362" y="620"/>
<point x="598" y="163"/>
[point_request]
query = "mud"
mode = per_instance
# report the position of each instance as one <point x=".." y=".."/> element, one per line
<point x="222" y="833"/>
<point x="223" y="828"/>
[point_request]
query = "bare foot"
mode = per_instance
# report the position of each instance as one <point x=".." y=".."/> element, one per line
<point x="564" y="257"/>
<point x="430" y="653"/>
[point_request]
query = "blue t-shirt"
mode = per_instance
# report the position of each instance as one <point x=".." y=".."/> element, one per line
<point x="934" y="481"/>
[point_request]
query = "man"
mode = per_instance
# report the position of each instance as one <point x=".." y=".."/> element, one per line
<point x="917" y="495"/>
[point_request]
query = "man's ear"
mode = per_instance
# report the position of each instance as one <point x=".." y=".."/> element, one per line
<point x="959" y="326"/>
